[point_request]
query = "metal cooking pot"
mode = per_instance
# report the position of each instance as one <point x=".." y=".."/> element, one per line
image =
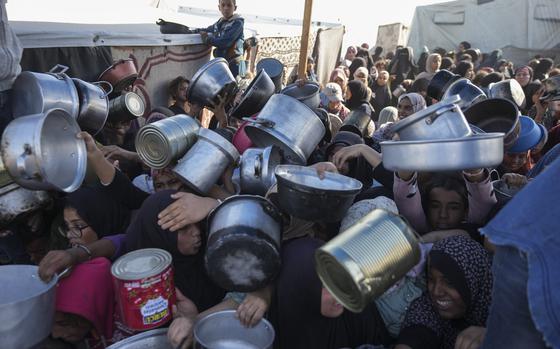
<point x="27" y="306"/>
<point x="503" y="192"/>
<point x="366" y="259"/>
<point x="508" y="89"/>
<point x="255" y="97"/>
<point x="213" y="79"/>
<point x="357" y="122"/>
<point x="125" y="107"/>
<point x="35" y="93"/>
<point x="275" y="70"/>
<point x="289" y="124"/>
<point x="243" y="249"/>
<point x="477" y="151"/>
<point x="443" y="120"/>
<point x="153" y="339"/>
<point x="307" y="94"/>
<point x="94" y="105"/>
<point x="120" y="74"/>
<point x="470" y="94"/>
<point x="440" y="82"/>
<point x="205" y="162"/>
<point x="15" y="200"/>
<point x="302" y="194"/>
<point x="222" y="330"/>
<point x="496" y="115"/>
<point x="160" y="143"/>
<point x="257" y="169"/>
<point x="41" y="151"/>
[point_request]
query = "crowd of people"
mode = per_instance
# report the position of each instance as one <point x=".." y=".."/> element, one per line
<point x="486" y="278"/>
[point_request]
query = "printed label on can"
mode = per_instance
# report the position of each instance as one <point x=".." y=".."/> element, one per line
<point x="154" y="310"/>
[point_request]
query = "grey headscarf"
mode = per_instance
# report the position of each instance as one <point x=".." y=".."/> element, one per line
<point x="388" y="114"/>
<point x="418" y="102"/>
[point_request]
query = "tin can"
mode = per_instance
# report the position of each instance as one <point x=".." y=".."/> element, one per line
<point x="144" y="287"/>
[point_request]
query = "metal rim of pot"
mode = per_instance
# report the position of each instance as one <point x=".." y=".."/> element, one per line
<point x="274" y="215"/>
<point x="137" y="339"/>
<point x="257" y="172"/>
<point x="114" y="74"/>
<point x="310" y="98"/>
<point x="253" y="88"/>
<point x="94" y="105"/>
<point x="281" y="172"/>
<point x="508" y="89"/>
<point x="458" y="87"/>
<point x="228" y="90"/>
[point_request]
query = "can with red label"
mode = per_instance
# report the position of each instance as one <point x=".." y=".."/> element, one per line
<point x="144" y="287"/>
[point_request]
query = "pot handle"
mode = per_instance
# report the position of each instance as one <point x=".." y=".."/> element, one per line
<point x="430" y="119"/>
<point x="261" y="121"/>
<point x="20" y="162"/>
<point x="107" y="91"/>
<point x="56" y="68"/>
<point x="258" y="165"/>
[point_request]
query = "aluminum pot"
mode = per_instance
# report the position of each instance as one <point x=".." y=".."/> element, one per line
<point x="94" y="105"/>
<point x="15" y="200"/>
<point x="477" y="151"/>
<point x="120" y="74"/>
<point x="257" y="169"/>
<point x="357" y="122"/>
<point x="275" y="70"/>
<point x="443" y="120"/>
<point x="440" y="82"/>
<point x="27" y="306"/>
<point x="153" y="339"/>
<point x="302" y="194"/>
<point x="307" y="94"/>
<point x="496" y="115"/>
<point x="289" y="124"/>
<point x="362" y="262"/>
<point x="125" y="107"/>
<point x="160" y="143"/>
<point x="255" y="97"/>
<point x="35" y="93"/>
<point x="508" y="89"/>
<point x="243" y="248"/>
<point x="41" y="151"/>
<point x="503" y="192"/>
<point x="222" y="330"/>
<point x="213" y="79"/>
<point x="470" y="93"/>
<point x="205" y="162"/>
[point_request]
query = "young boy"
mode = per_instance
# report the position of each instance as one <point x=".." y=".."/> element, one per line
<point x="227" y="36"/>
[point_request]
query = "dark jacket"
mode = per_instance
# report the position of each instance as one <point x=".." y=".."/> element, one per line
<point x="227" y="36"/>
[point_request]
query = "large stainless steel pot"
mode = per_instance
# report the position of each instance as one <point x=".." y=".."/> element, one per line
<point x="35" y="93"/>
<point x="257" y="169"/>
<point x="222" y="330"/>
<point x="496" y="115"/>
<point x="275" y="70"/>
<point x="160" y="143"/>
<point x="210" y="81"/>
<point x="153" y="339"/>
<point x="205" y="162"/>
<point x="255" y="97"/>
<point x="470" y="93"/>
<point x="15" y="200"/>
<point x="357" y="122"/>
<point x="303" y="194"/>
<point x="243" y="249"/>
<point x="508" y="89"/>
<point x="477" y="151"/>
<point x="27" y="306"/>
<point x="307" y="94"/>
<point x="289" y="124"/>
<point x="94" y="105"/>
<point x="366" y="259"/>
<point x="443" y="120"/>
<point x="41" y="151"/>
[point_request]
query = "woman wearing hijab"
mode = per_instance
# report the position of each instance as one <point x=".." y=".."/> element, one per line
<point x="524" y="76"/>
<point x="447" y="64"/>
<point x="357" y="168"/>
<point x="543" y="68"/>
<point x="357" y="97"/>
<point x="402" y="66"/>
<point x="457" y="301"/>
<point x="339" y="77"/>
<point x="305" y="315"/>
<point x="432" y="66"/>
<point x="381" y="90"/>
<point x="358" y="62"/>
<point x="350" y="55"/>
<point x="492" y="59"/>
<point x="186" y="248"/>
<point x="465" y="69"/>
<point x="410" y="103"/>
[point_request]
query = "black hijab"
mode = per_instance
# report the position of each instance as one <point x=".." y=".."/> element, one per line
<point x="403" y="65"/>
<point x="190" y="275"/>
<point x="358" y="62"/>
<point x="359" y="168"/>
<point x="462" y="68"/>
<point x="296" y="307"/>
<point x="359" y="94"/>
<point x="99" y="210"/>
<point x="543" y="68"/>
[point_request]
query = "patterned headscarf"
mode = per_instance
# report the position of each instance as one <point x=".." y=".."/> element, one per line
<point x="467" y="265"/>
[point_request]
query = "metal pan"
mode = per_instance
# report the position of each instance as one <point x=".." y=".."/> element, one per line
<point x="477" y="151"/>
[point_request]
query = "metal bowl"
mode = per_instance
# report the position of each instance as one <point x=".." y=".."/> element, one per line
<point x="307" y="94"/>
<point x="211" y="80"/>
<point x="477" y="151"/>
<point x="154" y="339"/>
<point x="470" y="94"/>
<point x="275" y="70"/>
<point x="440" y="82"/>
<point x="508" y="89"/>
<point x="255" y="97"/>
<point x="503" y="192"/>
<point x="304" y="195"/>
<point x="223" y="330"/>
<point x="496" y="115"/>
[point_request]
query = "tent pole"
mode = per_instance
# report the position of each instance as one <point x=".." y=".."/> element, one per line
<point x="302" y="70"/>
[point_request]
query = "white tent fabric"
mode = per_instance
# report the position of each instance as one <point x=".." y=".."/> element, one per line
<point x="522" y="24"/>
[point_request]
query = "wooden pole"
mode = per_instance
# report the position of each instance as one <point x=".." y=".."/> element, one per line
<point x="302" y="71"/>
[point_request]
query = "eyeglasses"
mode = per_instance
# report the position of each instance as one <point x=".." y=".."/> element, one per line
<point x="73" y="232"/>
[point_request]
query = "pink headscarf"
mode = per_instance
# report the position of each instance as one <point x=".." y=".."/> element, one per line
<point x="88" y="292"/>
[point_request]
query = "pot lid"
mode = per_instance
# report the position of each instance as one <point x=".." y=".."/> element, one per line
<point x="140" y="264"/>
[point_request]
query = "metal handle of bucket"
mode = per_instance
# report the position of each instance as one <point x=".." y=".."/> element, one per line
<point x="430" y="119"/>
<point x="107" y="91"/>
<point x="261" y="121"/>
<point x="57" y="70"/>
